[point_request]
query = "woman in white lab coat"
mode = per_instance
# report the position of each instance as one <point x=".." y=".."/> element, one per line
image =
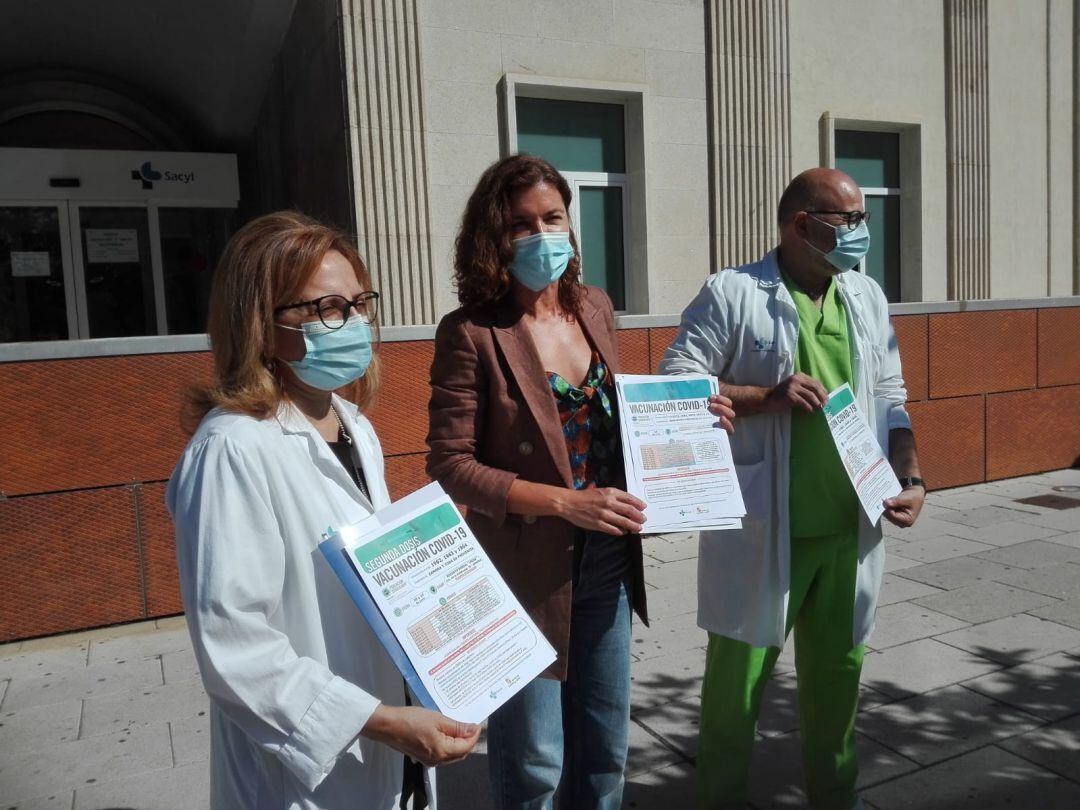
<point x="306" y="709"/>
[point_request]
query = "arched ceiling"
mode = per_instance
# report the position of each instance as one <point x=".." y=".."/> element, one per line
<point x="202" y="63"/>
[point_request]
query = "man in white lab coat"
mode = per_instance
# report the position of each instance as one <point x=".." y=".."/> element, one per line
<point x="780" y="333"/>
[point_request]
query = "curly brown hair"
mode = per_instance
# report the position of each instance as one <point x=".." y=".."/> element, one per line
<point x="483" y="251"/>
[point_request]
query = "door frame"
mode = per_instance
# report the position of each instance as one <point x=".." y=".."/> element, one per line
<point x="67" y="261"/>
<point x="78" y="260"/>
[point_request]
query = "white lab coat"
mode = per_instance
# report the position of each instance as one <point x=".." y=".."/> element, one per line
<point x="743" y="327"/>
<point x="292" y="670"/>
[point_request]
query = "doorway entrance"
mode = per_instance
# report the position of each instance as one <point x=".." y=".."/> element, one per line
<point x="79" y="267"/>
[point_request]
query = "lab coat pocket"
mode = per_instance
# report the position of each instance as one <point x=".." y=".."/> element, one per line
<point x="756" y="486"/>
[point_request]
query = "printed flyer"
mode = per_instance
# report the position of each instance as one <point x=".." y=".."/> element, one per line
<point x="434" y="599"/>
<point x="678" y="458"/>
<point x="865" y="462"/>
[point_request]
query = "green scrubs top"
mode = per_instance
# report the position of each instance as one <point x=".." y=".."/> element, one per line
<point x="821" y="498"/>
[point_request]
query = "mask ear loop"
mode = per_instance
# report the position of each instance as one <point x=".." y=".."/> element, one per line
<point x="810" y="244"/>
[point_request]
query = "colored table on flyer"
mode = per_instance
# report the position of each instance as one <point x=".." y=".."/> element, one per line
<point x="864" y="461"/>
<point x="469" y="640"/>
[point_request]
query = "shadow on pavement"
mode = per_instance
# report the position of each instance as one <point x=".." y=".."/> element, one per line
<point x="996" y="740"/>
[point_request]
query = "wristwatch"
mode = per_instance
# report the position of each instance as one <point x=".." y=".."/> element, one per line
<point x="909" y="481"/>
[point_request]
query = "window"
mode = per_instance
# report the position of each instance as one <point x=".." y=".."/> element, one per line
<point x="192" y="240"/>
<point x="71" y="270"/>
<point x="586" y="142"/>
<point x="873" y="160"/>
<point x="118" y="283"/>
<point x="33" y="297"/>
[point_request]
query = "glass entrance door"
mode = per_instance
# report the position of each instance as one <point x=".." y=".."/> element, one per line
<point x="192" y="239"/>
<point x="36" y="295"/>
<point x="71" y="270"/>
<point x="114" y="271"/>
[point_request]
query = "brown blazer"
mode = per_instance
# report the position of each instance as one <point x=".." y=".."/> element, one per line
<point x="493" y="418"/>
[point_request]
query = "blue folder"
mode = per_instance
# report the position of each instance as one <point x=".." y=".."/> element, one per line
<point x="333" y="549"/>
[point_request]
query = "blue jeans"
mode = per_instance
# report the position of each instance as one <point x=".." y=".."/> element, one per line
<point x="577" y="730"/>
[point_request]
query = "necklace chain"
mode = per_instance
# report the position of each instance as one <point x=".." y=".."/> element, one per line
<point x="342" y="433"/>
<point x="344" y="436"/>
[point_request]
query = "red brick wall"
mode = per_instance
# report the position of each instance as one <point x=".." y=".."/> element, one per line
<point x="1000" y="396"/>
<point x="89" y="443"/>
<point x="70" y="559"/>
<point x="94" y="422"/>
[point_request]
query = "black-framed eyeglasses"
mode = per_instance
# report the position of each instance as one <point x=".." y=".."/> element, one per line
<point x="853" y="219"/>
<point x="334" y="310"/>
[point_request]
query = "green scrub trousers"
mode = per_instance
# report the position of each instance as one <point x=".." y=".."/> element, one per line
<point x="821" y="604"/>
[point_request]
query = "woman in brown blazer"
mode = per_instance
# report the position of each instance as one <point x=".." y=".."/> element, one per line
<point x="524" y="433"/>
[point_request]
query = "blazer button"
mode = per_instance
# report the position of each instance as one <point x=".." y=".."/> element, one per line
<point x="525" y="448"/>
<point x="529" y="519"/>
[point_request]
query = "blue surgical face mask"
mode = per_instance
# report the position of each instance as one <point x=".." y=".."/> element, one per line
<point x="541" y="258"/>
<point x="851" y="246"/>
<point x="334" y="357"/>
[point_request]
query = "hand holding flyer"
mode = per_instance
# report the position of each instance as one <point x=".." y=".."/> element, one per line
<point x="678" y="458"/>
<point x="448" y="620"/>
<point x="865" y="462"/>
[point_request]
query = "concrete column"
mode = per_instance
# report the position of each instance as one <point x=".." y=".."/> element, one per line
<point x="1061" y="156"/>
<point x="1076" y="148"/>
<point x="389" y="154"/>
<point x="749" y="106"/>
<point x="967" y="148"/>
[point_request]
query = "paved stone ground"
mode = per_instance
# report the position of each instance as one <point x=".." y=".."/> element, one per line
<point x="971" y="691"/>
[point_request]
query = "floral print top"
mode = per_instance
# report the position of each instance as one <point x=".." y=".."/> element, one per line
<point x="590" y="425"/>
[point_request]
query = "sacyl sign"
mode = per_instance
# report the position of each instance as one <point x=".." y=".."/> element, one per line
<point x="148" y="175"/>
<point x="101" y="174"/>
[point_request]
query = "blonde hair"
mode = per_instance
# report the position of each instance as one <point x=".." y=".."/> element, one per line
<point x="266" y="264"/>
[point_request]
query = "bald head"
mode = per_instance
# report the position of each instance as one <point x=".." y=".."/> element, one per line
<point x="806" y="238"/>
<point x="817" y="190"/>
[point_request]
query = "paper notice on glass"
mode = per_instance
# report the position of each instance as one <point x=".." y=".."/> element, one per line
<point x="112" y="245"/>
<point x="869" y="470"/>
<point x="677" y="457"/>
<point x="444" y="614"/>
<point x="30" y="264"/>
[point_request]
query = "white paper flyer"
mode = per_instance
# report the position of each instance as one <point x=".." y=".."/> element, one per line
<point x="465" y="636"/>
<point x="869" y="470"/>
<point x="677" y="457"/>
